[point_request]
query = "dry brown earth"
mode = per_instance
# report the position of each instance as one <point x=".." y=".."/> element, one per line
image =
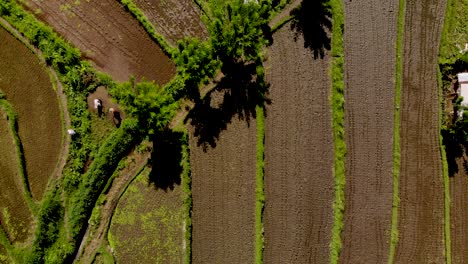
<point x="459" y="214"/>
<point x="28" y="88"/>
<point x="15" y="216"/>
<point x="108" y="35"/>
<point x="369" y="44"/>
<point x="174" y="19"/>
<point x="223" y="186"/>
<point x="299" y="181"/>
<point x="421" y="212"/>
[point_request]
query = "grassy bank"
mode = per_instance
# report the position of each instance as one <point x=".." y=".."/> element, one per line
<point x="337" y="103"/>
<point x="259" y="189"/>
<point x="396" y="131"/>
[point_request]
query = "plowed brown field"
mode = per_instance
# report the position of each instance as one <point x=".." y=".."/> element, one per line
<point x="107" y="34"/>
<point x="369" y="42"/>
<point x="299" y="181"/>
<point x="174" y="19"/>
<point x="459" y="214"/>
<point x="15" y="216"/>
<point x="28" y="88"/>
<point x="223" y="191"/>
<point x="421" y="212"/>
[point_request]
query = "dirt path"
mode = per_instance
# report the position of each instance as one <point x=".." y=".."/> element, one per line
<point x="61" y="96"/>
<point x="370" y="56"/>
<point x="421" y="211"/>
<point x="108" y="35"/>
<point x="223" y="191"/>
<point x="459" y="214"/>
<point x="299" y="181"/>
<point x="94" y="235"/>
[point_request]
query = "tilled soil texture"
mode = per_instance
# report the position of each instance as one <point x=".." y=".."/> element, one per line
<point x="148" y="224"/>
<point x="174" y="19"/>
<point x="421" y="211"/>
<point x="459" y="213"/>
<point x="299" y="183"/>
<point x="223" y="191"/>
<point x="15" y="216"/>
<point x="108" y="35"/>
<point x="28" y="88"/>
<point x="370" y="56"/>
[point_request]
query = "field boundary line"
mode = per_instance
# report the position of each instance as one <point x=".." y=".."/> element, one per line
<point x="396" y="130"/>
<point x="449" y="18"/>
<point x="337" y="104"/>
<point x="260" y="185"/>
<point x="136" y="12"/>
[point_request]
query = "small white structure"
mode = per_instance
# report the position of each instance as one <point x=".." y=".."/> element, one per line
<point x="463" y="87"/>
<point x="71" y="132"/>
<point x="97" y="103"/>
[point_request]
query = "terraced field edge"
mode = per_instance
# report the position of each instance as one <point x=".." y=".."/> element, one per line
<point x="148" y="26"/>
<point x="259" y="189"/>
<point x="337" y="103"/>
<point x="396" y="136"/>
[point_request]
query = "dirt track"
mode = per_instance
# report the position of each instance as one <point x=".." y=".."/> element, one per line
<point x="298" y="154"/>
<point x="223" y="191"/>
<point x="369" y="43"/>
<point x="459" y="215"/>
<point x="421" y="213"/>
<point x="108" y="35"/>
<point x="37" y="107"/>
<point x="174" y="19"/>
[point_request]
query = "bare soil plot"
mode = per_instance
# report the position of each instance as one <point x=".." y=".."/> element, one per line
<point x="223" y="191"/>
<point x="148" y="224"/>
<point x="15" y="216"/>
<point x="459" y="213"/>
<point x="370" y="58"/>
<point x="174" y="19"/>
<point x="299" y="182"/>
<point x="421" y="211"/>
<point x="28" y="88"/>
<point x="108" y="35"/>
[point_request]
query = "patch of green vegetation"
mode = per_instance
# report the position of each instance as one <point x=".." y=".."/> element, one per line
<point x="259" y="186"/>
<point x="144" y="21"/>
<point x="103" y="256"/>
<point x="337" y="102"/>
<point x="396" y="130"/>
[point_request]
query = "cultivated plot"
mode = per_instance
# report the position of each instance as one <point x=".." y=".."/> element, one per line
<point x="299" y="183"/>
<point x="108" y="35"/>
<point x="28" y="88"/>
<point x="459" y="213"/>
<point x="421" y="212"/>
<point x="15" y="216"/>
<point x="223" y="187"/>
<point x="370" y="56"/>
<point x="174" y="19"/>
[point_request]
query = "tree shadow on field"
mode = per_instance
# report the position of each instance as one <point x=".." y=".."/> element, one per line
<point x="166" y="160"/>
<point x="313" y="20"/>
<point x="236" y="95"/>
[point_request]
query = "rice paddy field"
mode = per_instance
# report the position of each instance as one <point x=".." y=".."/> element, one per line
<point x="287" y="131"/>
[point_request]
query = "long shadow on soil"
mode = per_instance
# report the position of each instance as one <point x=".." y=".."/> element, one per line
<point x="236" y="94"/>
<point x="313" y="20"/>
<point x="166" y="160"/>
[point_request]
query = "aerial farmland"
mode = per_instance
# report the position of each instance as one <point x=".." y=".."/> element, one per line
<point x="233" y="131"/>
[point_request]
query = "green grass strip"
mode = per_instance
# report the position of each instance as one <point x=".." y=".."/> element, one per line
<point x="144" y="21"/>
<point x="337" y="102"/>
<point x="396" y="131"/>
<point x="187" y="200"/>
<point x="259" y="189"/>
<point x="19" y="151"/>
